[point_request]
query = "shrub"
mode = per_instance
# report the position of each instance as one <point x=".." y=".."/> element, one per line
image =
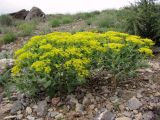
<point x="144" y="18"/>
<point x="61" y="61"/>
<point x="55" y="22"/>
<point x="66" y="19"/>
<point x="9" y="37"/>
<point x="26" y="28"/>
<point x="6" y="20"/>
<point x="106" y="19"/>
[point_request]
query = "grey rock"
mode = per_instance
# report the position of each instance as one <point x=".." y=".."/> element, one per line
<point x="59" y="116"/>
<point x="16" y="107"/>
<point x="42" y="108"/>
<point x="39" y="119"/>
<point x="28" y="110"/>
<point x="127" y="114"/>
<point x="53" y="114"/>
<point x="134" y="104"/>
<point x="30" y="118"/>
<point x="123" y="118"/>
<point x="85" y="101"/>
<point x="71" y="101"/>
<point x="79" y="108"/>
<point x="148" y="116"/>
<point x="20" y="14"/>
<point x="105" y="115"/>
<point x="35" y="12"/>
<point x="20" y="116"/>
<point x="10" y="117"/>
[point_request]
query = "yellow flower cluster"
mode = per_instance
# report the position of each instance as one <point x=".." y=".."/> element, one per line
<point x="66" y="51"/>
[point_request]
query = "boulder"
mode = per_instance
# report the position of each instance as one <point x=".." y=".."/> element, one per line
<point x="35" y="12"/>
<point x="20" y="14"/>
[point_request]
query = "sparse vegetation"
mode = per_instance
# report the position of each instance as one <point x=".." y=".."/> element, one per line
<point x="9" y="37"/>
<point x="6" y="20"/>
<point x="26" y="28"/>
<point x="55" y="22"/>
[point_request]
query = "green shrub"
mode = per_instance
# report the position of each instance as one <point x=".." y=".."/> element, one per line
<point x="106" y="19"/>
<point x="26" y="28"/>
<point x="9" y="37"/>
<point x="143" y="19"/>
<point x="6" y="20"/>
<point x="59" y="62"/>
<point x="66" y="19"/>
<point x="55" y="22"/>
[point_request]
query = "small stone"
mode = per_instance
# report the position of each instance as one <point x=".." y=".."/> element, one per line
<point x="127" y="114"/>
<point x="121" y="107"/>
<point x="42" y="108"/>
<point x="135" y="111"/>
<point x="79" y="108"/>
<point x="39" y="119"/>
<point x="10" y="117"/>
<point x="56" y="100"/>
<point x="30" y="118"/>
<point x="134" y="104"/>
<point x="138" y="116"/>
<point x="148" y="116"/>
<point x="123" y="118"/>
<point x="6" y="108"/>
<point x="59" y="116"/>
<point x="53" y="114"/>
<point x="20" y="116"/>
<point x="28" y="110"/>
<point x="19" y="112"/>
<point x="85" y="101"/>
<point x="157" y="94"/>
<point x="139" y="95"/>
<point x="92" y="106"/>
<point x="105" y="115"/>
<point x="16" y="107"/>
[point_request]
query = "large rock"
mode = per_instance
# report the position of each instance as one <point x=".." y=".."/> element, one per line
<point x="20" y="14"/>
<point x="35" y="12"/>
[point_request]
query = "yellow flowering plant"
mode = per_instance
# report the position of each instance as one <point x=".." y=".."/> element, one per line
<point x="60" y="61"/>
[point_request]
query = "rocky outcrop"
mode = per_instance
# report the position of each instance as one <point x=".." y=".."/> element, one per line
<point x="20" y="14"/>
<point x="35" y="12"/>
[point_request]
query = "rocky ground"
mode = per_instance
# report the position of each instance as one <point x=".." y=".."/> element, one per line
<point x="135" y="99"/>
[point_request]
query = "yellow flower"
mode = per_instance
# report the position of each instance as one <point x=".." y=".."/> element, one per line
<point x="114" y="46"/>
<point x="135" y="39"/>
<point x="46" y="47"/>
<point x="41" y="66"/>
<point x="15" y="70"/>
<point x="146" y="51"/>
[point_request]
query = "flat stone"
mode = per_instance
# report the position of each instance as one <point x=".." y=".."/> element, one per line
<point x="30" y="118"/>
<point x="20" y="116"/>
<point x="123" y="118"/>
<point x="10" y="117"/>
<point x="16" y="107"/>
<point x="5" y="108"/>
<point x="105" y="115"/>
<point x="134" y="104"/>
<point x="28" y="110"/>
<point x="53" y="114"/>
<point x="42" y="108"/>
<point x="79" y="108"/>
<point x="59" y="116"/>
<point x="148" y="116"/>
